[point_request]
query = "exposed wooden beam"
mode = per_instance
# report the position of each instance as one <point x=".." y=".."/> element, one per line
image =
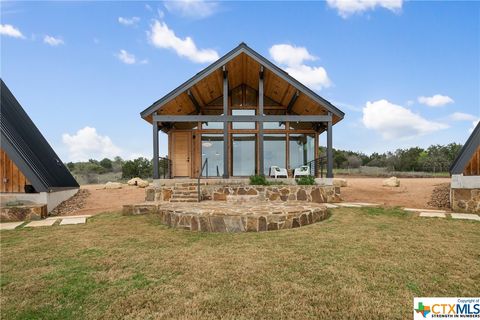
<point x="198" y="109"/>
<point x="292" y="101"/>
<point x="230" y="118"/>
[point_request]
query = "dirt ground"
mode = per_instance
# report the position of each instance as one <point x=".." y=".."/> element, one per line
<point x="103" y="200"/>
<point x="412" y="193"/>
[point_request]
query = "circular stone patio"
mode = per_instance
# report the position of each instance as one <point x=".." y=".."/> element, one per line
<point x="251" y="216"/>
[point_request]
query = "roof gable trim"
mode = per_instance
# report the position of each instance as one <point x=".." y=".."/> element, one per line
<point x="242" y="48"/>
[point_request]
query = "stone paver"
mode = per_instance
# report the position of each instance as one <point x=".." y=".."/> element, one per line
<point x="75" y="220"/>
<point x="69" y="217"/>
<point x="366" y="204"/>
<point x="433" y="214"/>
<point x="9" y="225"/>
<point x="331" y="206"/>
<point x="349" y="205"/>
<point x="41" y="223"/>
<point x="423" y="210"/>
<point x="466" y="216"/>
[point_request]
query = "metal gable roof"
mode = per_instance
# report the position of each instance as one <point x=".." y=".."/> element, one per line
<point x="28" y="149"/>
<point x="242" y="48"/>
<point x="467" y="152"/>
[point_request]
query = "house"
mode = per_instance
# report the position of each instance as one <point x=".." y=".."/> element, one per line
<point x="241" y="116"/>
<point x="465" y="171"/>
<point x="30" y="171"/>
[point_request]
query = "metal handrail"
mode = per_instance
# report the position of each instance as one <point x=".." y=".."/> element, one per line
<point x="316" y="165"/>
<point x="205" y="164"/>
<point x="166" y="165"/>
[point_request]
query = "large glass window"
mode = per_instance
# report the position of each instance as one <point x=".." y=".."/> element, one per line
<point x="243" y="125"/>
<point x="244" y="154"/>
<point x="212" y="125"/>
<point x="274" y="125"/>
<point x="274" y="151"/>
<point x="302" y="149"/>
<point x="212" y="149"/>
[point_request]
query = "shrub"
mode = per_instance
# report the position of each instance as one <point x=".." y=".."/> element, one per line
<point x="259" y="180"/>
<point x="306" y="181"/>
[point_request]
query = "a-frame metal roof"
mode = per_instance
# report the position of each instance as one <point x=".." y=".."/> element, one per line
<point x="28" y="149"/>
<point x="242" y="48"/>
<point x="467" y="152"/>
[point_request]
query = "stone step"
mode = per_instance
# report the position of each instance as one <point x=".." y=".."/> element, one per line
<point x="184" y="200"/>
<point x="184" y="196"/>
<point x="184" y="193"/>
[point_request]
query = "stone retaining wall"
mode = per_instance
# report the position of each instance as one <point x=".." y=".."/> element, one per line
<point x="285" y="193"/>
<point x="465" y="200"/>
<point x="213" y="216"/>
<point x="23" y="212"/>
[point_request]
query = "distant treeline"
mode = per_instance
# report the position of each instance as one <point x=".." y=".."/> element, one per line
<point x="436" y="158"/>
<point x="139" y="167"/>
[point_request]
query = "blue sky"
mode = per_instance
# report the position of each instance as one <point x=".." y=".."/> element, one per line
<point x="405" y="73"/>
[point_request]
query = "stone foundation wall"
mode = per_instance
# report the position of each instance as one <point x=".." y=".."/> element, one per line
<point x="465" y="200"/>
<point x="317" y="194"/>
<point x="23" y="213"/>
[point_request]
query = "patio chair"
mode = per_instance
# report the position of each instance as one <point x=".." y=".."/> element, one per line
<point x="277" y="171"/>
<point x="301" y="171"/>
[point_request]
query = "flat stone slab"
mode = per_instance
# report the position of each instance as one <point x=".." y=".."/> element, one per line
<point x="424" y="210"/>
<point x="466" y="216"/>
<point x="75" y="220"/>
<point x="433" y="214"/>
<point x="330" y="205"/>
<point x="69" y="217"/>
<point x="41" y="223"/>
<point x="366" y="204"/>
<point x="349" y="205"/>
<point x="9" y="225"/>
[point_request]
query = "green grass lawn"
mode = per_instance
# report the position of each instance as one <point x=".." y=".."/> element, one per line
<point x="359" y="264"/>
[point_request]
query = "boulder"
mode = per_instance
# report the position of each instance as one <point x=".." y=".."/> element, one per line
<point x="113" y="185"/>
<point x="134" y="181"/>
<point x="391" y="182"/>
<point x="138" y="182"/>
<point x="142" y="183"/>
<point x="338" y="182"/>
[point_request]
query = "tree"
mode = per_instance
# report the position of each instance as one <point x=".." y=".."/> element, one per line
<point x="106" y="163"/>
<point x="139" y="167"/>
<point x="354" y="161"/>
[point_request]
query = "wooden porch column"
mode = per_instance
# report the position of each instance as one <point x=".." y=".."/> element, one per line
<point x="225" y="123"/>
<point x="260" y="123"/>
<point x="329" y="148"/>
<point x="155" y="147"/>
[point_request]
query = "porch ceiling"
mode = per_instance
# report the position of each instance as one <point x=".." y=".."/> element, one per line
<point x="243" y="69"/>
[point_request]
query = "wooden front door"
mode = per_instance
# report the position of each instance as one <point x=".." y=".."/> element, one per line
<point x="182" y="153"/>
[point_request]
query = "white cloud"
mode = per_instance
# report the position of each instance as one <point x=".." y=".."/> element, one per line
<point x="10" y="31"/>
<point x="314" y="77"/>
<point x="292" y="58"/>
<point x="346" y="8"/>
<point x="126" y="57"/>
<point x="394" y="121"/>
<point x="437" y="100"/>
<point x="290" y="55"/>
<point x="460" y="116"/>
<point x="129" y="58"/>
<point x="192" y="8"/>
<point x="87" y="144"/>
<point x="128" y="21"/>
<point x="163" y="37"/>
<point x="50" y="40"/>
